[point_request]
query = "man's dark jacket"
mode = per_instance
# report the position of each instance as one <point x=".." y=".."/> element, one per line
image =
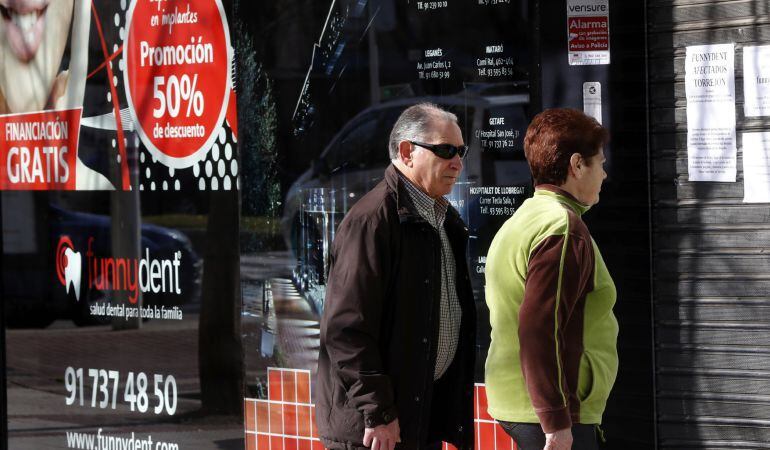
<point x="380" y="326"/>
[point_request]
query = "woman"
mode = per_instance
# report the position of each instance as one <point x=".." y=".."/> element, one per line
<point x="553" y="357"/>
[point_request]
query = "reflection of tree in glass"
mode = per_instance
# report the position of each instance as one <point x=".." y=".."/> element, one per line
<point x="220" y="345"/>
<point x="258" y="124"/>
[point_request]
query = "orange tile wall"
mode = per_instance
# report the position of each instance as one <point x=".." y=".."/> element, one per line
<point x="286" y="420"/>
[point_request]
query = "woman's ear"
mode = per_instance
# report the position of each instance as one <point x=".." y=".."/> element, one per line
<point x="576" y="165"/>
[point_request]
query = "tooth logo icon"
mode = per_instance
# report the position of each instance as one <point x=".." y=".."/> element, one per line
<point x="68" y="265"/>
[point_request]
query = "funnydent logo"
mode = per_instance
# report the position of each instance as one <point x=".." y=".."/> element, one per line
<point x="132" y="275"/>
<point x="68" y="265"/>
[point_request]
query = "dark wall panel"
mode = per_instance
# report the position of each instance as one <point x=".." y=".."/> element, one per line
<point x="710" y="263"/>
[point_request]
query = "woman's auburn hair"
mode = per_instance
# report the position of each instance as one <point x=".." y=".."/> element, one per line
<point x="554" y="136"/>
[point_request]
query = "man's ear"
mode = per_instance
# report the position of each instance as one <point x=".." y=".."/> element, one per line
<point x="576" y="165"/>
<point x="405" y="153"/>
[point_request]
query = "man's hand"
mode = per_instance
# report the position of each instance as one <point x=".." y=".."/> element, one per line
<point x="385" y="437"/>
<point x="559" y="440"/>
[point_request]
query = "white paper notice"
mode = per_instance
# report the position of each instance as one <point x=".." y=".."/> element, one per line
<point x="592" y="100"/>
<point x="756" y="167"/>
<point x="756" y="81"/>
<point x="710" y="88"/>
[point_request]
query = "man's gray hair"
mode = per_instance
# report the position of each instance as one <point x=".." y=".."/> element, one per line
<point x="414" y="123"/>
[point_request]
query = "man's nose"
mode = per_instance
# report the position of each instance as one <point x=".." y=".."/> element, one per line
<point x="456" y="163"/>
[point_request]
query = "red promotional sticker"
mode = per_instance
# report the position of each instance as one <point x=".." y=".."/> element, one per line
<point x="588" y="34"/>
<point x="178" y="69"/>
<point x="39" y="150"/>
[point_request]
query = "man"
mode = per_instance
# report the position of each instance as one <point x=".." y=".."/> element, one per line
<point x="397" y="351"/>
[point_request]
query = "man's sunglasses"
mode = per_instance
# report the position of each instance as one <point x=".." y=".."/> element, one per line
<point x="446" y="151"/>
